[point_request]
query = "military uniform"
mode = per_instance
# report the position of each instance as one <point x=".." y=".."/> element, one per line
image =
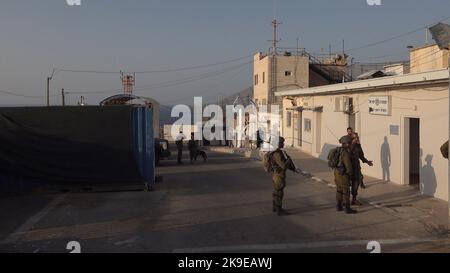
<point x="357" y="154"/>
<point x="281" y="163"/>
<point x="179" y="144"/>
<point x="444" y="150"/>
<point x="192" y="146"/>
<point x="342" y="179"/>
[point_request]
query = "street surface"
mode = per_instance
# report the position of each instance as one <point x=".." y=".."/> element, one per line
<point x="223" y="205"/>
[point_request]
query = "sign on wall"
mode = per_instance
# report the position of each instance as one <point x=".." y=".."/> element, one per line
<point x="380" y="105"/>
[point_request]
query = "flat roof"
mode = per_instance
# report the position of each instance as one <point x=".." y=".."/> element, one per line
<point x="428" y="77"/>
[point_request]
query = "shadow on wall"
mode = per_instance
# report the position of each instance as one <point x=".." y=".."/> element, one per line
<point x="428" y="182"/>
<point x="325" y="150"/>
<point x="385" y="159"/>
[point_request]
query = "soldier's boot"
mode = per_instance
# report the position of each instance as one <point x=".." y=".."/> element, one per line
<point x="281" y="211"/>
<point x="274" y="207"/>
<point x="339" y="206"/>
<point x="349" y="210"/>
<point x="356" y="202"/>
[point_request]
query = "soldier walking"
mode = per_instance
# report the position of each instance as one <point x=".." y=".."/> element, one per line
<point x="357" y="154"/>
<point x="192" y="146"/>
<point x="342" y="175"/>
<point x="179" y="144"/>
<point x="281" y="162"/>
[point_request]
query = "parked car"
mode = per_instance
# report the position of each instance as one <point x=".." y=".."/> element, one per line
<point x="161" y="150"/>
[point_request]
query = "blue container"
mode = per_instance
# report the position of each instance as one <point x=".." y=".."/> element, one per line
<point x="144" y="143"/>
<point x="81" y="147"/>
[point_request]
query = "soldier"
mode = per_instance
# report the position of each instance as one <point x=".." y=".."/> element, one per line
<point x="192" y="146"/>
<point x="350" y="132"/>
<point x="357" y="154"/>
<point x="281" y="162"/>
<point x="179" y="144"/>
<point x="342" y="176"/>
<point x="444" y="150"/>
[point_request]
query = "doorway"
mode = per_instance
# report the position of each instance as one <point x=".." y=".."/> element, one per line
<point x="298" y="128"/>
<point x="414" y="151"/>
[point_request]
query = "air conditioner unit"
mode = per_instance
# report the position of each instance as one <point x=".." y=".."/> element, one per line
<point x="345" y="104"/>
<point x="342" y="104"/>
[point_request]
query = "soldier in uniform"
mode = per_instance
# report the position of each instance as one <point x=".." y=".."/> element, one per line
<point x="444" y="150"/>
<point x="281" y="162"/>
<point x="192" y="146"/>
<point x="179" y="144"/>
<point x="357" y="154"/>
<point x="342" y="176"/>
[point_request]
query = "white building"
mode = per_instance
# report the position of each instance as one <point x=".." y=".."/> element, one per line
<point x="402" y="121"/>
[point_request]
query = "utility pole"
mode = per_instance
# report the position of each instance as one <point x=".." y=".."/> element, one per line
<point x="273" y="81"/>
<point x="63" y="97"/>
<point x="343" y="47"/>
<point x="48" y="86"/>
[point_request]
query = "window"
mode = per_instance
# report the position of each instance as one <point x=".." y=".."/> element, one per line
<point x="256" y="79"/>
<point x="307" y="125"/>
<point x="287" y="73"/>
<point x="289" y="119"/>
<point x="264" y="77"/>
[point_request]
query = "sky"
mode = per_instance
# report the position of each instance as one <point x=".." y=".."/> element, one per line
<point x="148" y="35"/>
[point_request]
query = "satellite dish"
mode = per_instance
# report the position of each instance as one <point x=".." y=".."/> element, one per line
<point x="441" y="34"/>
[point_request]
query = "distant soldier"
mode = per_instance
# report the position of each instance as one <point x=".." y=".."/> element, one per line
<point x="179" y="144"/>
<point x="192" y="146"/>
<point x="342" y="175"/>
<point x="357" y="154"/>
<point x="444" y="150"/>
<point x="280" y="163"/>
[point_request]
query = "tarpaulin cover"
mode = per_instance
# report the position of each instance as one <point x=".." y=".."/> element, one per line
<point x="84" y="145"/>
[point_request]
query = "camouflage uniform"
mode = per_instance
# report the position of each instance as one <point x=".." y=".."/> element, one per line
<point x="192" y="146"/>
<point x="342" y="179"/>
<point x="357" y="154"/>
<point x="281" y="163"/>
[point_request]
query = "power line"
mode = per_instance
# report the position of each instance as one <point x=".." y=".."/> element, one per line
<point x="158" y="71"/>
<point x="170" y="83"/>
<point x="395" y="37"/>
<point x="220" y="84"/>
<point x="23" y="95"/>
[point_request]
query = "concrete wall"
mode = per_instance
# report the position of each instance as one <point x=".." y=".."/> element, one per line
<point x="381" y="135"/>
<point x="299" y="78"/>
<point x="428" y="58"/>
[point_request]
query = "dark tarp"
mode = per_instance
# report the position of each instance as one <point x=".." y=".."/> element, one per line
<point x="59" y="145"/>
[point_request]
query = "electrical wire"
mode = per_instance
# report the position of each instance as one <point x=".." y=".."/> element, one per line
<point x="395" y="37"/>
<point x="158" y="71"/>
<point x="25" y="96"/>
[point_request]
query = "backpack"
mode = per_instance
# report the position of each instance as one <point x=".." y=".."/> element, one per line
<point x="334" y="158"/>
<point x="268" y="162"/>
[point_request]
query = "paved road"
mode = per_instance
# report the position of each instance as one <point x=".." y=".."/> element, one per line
<point x="223" y="205"/>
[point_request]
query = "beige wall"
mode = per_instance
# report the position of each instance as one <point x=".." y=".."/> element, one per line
<point x="428" y="103"/>
<point x="261" y="67"/>
<point x="297" y="65"/>
<point x="428" y="58"/>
